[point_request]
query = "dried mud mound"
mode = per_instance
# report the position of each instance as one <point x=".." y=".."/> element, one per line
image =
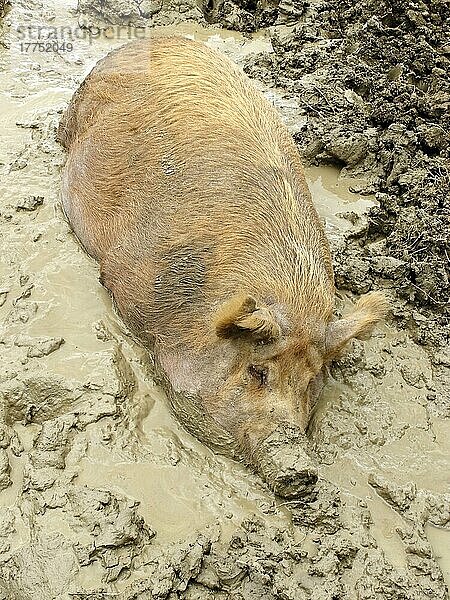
<point x="372" y="78"/>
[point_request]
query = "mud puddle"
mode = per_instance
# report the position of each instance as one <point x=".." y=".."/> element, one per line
<point x="334" y="200"/>
<point x="99" y="479"/>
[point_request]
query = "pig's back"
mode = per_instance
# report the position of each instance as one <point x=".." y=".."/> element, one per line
<point x="172" y="154"/>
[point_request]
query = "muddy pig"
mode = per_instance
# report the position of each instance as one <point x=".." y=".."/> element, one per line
<point x="183" y="183"/>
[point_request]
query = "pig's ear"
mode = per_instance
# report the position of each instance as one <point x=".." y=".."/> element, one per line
<point x="369" y="310"/>
<point x="241" y="317"/>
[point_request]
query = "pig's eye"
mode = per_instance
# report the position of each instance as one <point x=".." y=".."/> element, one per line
<point x="259" y="374"/>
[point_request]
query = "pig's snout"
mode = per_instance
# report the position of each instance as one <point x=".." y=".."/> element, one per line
<point x="283" y="462"/>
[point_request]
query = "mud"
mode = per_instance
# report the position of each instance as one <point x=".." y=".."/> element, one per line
<point x="103" y="494"/>
<point x="247" y="16"/>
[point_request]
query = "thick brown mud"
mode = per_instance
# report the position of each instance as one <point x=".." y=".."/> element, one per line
<point x="103" y="494"/>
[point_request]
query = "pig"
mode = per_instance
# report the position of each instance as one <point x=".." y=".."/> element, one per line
<point x="184" y="184"/>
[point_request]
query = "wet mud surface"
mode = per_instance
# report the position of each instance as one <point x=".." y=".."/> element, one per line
<point x="103" y="494"/>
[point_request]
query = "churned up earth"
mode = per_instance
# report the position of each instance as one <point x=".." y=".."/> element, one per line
<point x="102" y="494"/>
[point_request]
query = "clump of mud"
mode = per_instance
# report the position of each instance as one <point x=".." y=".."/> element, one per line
<point x="139" y="14"/>
<point x="372" y="79"/>
<point x="3" y="7"/>
<point x="244" y="16"/>
<point x="240" y="15"/>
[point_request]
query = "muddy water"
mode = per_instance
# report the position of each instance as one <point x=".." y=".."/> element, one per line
<point x="114" y="429"/>
<point x="407" y="444"/>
